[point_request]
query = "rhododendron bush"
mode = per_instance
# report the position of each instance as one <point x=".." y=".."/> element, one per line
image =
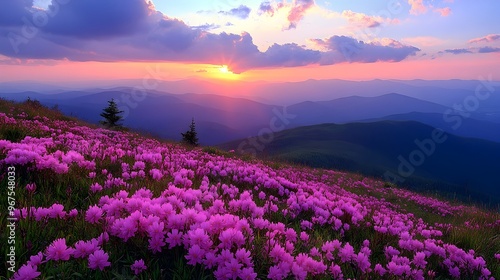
<point x="95" y="203"/>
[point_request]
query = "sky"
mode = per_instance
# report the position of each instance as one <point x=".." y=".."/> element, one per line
<point x="253" y="40"/>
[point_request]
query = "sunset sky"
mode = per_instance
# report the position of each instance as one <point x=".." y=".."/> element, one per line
<point x="253" y="40"/>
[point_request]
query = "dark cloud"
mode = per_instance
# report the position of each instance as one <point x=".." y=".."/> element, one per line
<point x="138" y="33"/>
<point x="206" y="27"/>
<point x="12" y="12"/>
<point x="458" y="51"/>
<point x="97" y="18"/>
<point x="287" y="55"/>
<point x="348" y="49"/>
<point x="266" y="8"/>
<point x="488" y="50"/>
<point x="242" y="12"/>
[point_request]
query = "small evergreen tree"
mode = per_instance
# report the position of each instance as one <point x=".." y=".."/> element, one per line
<point x="190" y="137"/>
<point x="111" y="115"/>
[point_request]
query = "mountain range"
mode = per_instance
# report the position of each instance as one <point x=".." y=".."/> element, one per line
<point x="223" y="118"/>
<point x="401" y="152"/>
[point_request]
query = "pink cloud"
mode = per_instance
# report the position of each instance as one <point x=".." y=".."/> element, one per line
<point x="347" y="49"/>
<point x="488" y="38"/>
<point x="364" y="20"/>
<point x="424" y="41"/>
<point x="298" y="11"/>
<point x="444" y="11"/>
<point x="417" y="7"/>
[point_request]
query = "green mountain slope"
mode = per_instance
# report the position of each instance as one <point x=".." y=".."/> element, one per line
<point x="463" y="166"/>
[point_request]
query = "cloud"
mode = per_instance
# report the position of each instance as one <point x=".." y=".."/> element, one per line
<point x="241" y="12"/>
<point x="287" y="55"/>
<point x="137" y="32"/>
<point x="487" y="38"/>
<point x="458" y="51"/>
<point x="361" y="19"/>
<point x="348" y="49"/>
<point x="12" y="12"/>
<point x="266" y="8"/>
<point x="488" y="50"/>
<point x="366" y="21"/>
<point x="417" y="7"/>
<point x="444" y="12"/>
<point x="298" y="11"/>
<point x="206" y="27"/>
<point x="424" y="41"/>
<point x="97" y="19"/>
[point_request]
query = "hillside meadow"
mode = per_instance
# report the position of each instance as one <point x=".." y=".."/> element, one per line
<point x="92" y="203"/>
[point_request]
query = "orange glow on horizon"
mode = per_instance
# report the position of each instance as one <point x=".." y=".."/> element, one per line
<point x="222" y="72"/>
<point x="451" y="67"/>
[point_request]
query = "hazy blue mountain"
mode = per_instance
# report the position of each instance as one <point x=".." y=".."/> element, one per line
<point x="356" y="108"/>
<point x="218" y="119"/>
<point x="224" y="118"/>
<point x="444" y="92"/>
<point x="454" y="124"/>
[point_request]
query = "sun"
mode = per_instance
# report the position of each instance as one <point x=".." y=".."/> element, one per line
<point x="225" y="73"/>
<point x="224" y="70"/>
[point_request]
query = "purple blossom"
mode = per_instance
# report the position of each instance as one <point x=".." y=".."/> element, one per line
<point x="138" y="266"/>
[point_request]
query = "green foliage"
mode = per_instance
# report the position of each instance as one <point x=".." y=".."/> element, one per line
<point x="13" y="134"/>
<point x="212" y="150"/>
<point x="190" y="137"/>
<point x="112" y="115"/>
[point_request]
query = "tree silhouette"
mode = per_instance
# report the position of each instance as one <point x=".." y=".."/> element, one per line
<point x="111" y="115"/>
<point x="190" y="136"/>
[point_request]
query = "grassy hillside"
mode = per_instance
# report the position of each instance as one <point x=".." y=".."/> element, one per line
<point x="462" y="166"/>
<point x="92" y="203"/>
<point x="470" y="128"/>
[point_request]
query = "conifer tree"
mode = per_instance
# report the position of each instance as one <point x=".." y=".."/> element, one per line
<point x="190" y="137"/>
<point x="111" y="115"/>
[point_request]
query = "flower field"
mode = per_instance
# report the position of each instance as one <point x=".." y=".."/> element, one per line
<point x="99" y="204"/>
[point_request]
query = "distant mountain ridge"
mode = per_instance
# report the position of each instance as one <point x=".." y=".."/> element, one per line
<point x="222" y="118"/>
<point x="467" y="127"/>
<point x="354" y="108"/>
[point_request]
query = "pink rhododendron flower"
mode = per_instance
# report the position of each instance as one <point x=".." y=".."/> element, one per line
<point x="36" y="260"/>
<point x="57" y="210"/>
<point x="31" y="187"/>
<point x="93" y="215"/>
<point x="84" y="248"/>
<point x="58" y="250"/>
<point x="99" y="259"/>
<point x="138" y="266"/>
<point x="304" y="236"/>
<point x="195" y="255"/>
<point x="26" y="272"/>
<point x="95" y="187"/>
